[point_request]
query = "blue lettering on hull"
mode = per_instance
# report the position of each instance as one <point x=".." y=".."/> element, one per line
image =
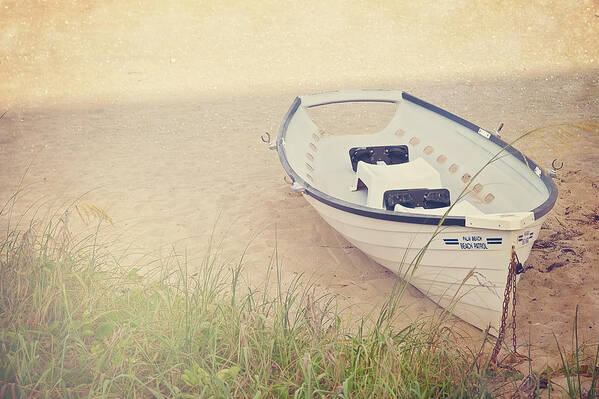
<point x="473" y="242"/>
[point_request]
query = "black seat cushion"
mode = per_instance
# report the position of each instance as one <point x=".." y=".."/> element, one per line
<point x="413" y="198"/>
<point x="390" y="154"/>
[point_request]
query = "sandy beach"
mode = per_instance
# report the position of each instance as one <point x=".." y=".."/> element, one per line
<point x="154" y="111"/>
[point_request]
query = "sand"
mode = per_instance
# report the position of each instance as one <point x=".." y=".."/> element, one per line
<point x="154" y="110"/>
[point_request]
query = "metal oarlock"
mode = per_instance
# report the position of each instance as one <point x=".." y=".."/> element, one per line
<point x="496" y="132"/>
<point x="555" y="168"/>
<point x="267" y="139"/>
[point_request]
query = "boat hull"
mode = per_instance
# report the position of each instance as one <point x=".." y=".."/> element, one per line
<point x="459" y="256"/>
<point x="462" y="269"/>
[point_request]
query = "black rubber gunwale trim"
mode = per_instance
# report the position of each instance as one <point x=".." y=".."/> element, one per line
<point x="440" y="111"/>
<point x="383" y="214"/>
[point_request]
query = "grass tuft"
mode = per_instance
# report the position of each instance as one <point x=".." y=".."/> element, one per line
<point x="74" y="322"/>
<point x="581" y="363"/>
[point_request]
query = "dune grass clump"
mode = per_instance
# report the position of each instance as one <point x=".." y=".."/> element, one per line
<point x="74" y="323"/>
<point x="582" y="362"/>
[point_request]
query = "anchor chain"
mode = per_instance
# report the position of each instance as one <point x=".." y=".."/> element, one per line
<point x="510" y="289"/>
<point x="514" y="265"/>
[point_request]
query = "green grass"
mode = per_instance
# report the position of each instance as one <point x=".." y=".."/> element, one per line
<point x="582" y="362"/>
<point x="76" y="323"/>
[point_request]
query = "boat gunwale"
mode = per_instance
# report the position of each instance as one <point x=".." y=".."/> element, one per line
<point x="384" y="214"/>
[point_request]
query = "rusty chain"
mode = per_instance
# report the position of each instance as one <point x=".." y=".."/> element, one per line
<point x="510" y="289"/>
<point x="513" y="266"/>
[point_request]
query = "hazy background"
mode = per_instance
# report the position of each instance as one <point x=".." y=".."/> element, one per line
<point x="109" y="51"/>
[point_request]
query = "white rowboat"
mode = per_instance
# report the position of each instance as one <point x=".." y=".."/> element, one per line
<point x="415" y="184"/>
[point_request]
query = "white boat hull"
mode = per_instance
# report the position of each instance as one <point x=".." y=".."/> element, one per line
<point x="485" y="197"/>
<point x="444" y="265"/>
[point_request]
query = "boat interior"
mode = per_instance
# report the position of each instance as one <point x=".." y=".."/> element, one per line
<point x="421" y="162"/>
